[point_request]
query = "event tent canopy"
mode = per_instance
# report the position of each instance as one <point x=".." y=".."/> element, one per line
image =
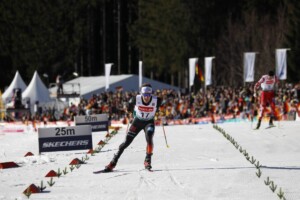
<point x="16" y="83"/>
<point x="96" y="84"/>
<point x="36" y="91"/>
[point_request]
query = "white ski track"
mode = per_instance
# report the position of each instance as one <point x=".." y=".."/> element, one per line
<point x="202" y="164"/>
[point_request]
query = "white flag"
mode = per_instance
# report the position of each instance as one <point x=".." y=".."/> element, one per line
<point x="281" y="63"/>
<point x="140" y="73"/>
<point x="107" y="74"/>
<point x="249" y="61"/>
<point x="192" y="64"/>
<point x="208" y="66"/>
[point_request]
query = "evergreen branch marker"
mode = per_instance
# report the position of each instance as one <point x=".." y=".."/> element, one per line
<point x="252" y="160"/>
<point x="241" y="149"/>
<point x="258" y="174"/>
<point x="96" y="151"/>
<point x="59" y="173"/>
<point x="72" y="167"/>
<point x="280" y="194"/>
<point x="51" y="182"/>
<point x="93" y="153"/>
<point x="273" y="186"/>
<point x="267" y="182"/>
<point x="237" y="145"/>
<point x="99" y="148"/>
<point x="28" y="192"/>
<point x="257" y="165"/>
<point x="248" y="158"/>
<point x="228" y="137"/>
<point x="42" y="187"/>
<point x="65" y="171"/>
<point x="245" y="153"/>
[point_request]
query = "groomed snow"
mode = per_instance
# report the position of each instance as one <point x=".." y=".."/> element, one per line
<point x="200" y="164"/>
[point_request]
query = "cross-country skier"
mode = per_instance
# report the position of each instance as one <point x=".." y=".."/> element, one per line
<point x="145" y="106"/>
<point x="268" y="84"/>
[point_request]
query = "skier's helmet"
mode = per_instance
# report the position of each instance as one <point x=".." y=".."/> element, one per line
<point x="271" y="73"/>
<point x="146" y="90"/>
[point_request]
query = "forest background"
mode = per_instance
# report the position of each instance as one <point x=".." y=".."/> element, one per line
<point x="61" y="37"/>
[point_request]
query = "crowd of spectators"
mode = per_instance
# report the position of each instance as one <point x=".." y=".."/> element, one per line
<point x="213" y="101"/>
<point x="220" y="101"/>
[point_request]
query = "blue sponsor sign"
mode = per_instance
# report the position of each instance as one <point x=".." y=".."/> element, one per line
<point x="65" y="138"/>
<point x="97" y="122"/>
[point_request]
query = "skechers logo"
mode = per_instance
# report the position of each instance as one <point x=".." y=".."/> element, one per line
<point x="65" y="143"/>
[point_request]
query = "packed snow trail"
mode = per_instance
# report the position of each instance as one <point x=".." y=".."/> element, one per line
<point x="200" y="164"/>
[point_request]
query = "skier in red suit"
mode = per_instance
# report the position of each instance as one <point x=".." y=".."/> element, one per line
<point x="268" y="84"/>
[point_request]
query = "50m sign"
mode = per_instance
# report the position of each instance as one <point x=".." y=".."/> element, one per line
<point x="98" y="122"/>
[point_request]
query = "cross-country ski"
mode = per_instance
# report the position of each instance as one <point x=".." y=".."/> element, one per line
<point x="102" y="171"/>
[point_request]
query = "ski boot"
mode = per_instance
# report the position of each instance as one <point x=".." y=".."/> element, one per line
<point x="147" y="162"/>
<point x="271" y="122"/>
<point x="110" y="167"/>
<point x="258" y="124"/>
<point x="112" y="164"/>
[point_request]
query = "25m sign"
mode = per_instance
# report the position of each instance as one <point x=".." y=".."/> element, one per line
<point x="65" y="138"/>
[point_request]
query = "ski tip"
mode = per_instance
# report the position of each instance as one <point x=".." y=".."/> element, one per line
<point x="98" y="172"/>
<point x="101" y="171"/>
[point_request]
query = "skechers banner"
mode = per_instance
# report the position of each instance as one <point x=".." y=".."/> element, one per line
<point x="65" y="138"/>
<point x="97" y="122"/>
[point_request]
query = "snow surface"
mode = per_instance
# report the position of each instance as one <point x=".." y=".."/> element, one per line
<point x="200" y="163"/>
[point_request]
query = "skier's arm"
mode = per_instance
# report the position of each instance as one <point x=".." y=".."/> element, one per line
<point x="276" y="85"/>
<point x="159" y="103"/>
<point x="257" y="85"/>
<point x="131" y="104"/>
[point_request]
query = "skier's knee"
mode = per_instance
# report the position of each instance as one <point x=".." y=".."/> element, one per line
<point x="128" y="140"/>
<point x="124" y="145"/>
<point x="150" y="130"/>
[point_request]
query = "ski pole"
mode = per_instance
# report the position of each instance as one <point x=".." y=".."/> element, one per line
<point x="165" y="135"/>
<point x="127" y="127"/>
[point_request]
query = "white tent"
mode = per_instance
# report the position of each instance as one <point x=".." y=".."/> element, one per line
<point x="16" y="83"/>
<point x="87" y="86"/>
<point x="36" y="91"/>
